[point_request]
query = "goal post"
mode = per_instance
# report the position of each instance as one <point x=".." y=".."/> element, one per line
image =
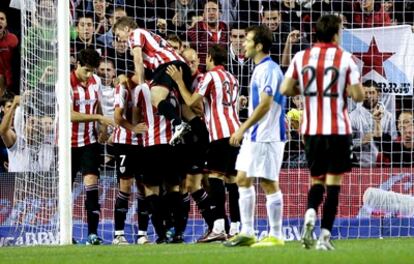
<point x="64" y="127"/>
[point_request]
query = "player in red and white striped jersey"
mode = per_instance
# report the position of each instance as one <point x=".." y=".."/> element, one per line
<point x="160" y="130"/>
<point x="85" y="113"/>
<point x="220" y="88"/>
<point x="326" y="75"/>
<point x="127" y="139"/>
<point x="162" y="164"/>
<point x="153" y="52"/>
<point x="195" y="147"/>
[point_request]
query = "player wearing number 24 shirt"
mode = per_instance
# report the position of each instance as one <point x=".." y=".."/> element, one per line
<point x="326" y="75"/>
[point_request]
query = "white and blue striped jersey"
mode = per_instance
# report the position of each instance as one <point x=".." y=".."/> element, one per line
<point x="267" y="77"/>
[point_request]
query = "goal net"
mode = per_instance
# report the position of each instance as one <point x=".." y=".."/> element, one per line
<point x="31" y="187"/>
<point x="376" y="197"/>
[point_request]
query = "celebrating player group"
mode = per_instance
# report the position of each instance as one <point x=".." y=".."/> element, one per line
<point x="177" y="134"/>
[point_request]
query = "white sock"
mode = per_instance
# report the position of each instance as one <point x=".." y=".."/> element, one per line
<point x="234" y="228"/>
<point x="218" y="226"/>
<point x="119" y="232"/>
<point x="247" y="202"/>
<point x="274" y="206"/>
<point x="325" y="235"/>
<point x="142" y="233"/>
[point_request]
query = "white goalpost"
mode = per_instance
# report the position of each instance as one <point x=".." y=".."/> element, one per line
<point x="64" y="132"/>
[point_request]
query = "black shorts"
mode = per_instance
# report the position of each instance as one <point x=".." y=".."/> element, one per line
<point x="162" y="163"/>
<point x="128" y="160"/>
<point x="160" y="76"/>
<point x="221" y="157"/>
<point x="328" y="154"/>
<point x="86" y="159"/>
<point x="195" y="147"/>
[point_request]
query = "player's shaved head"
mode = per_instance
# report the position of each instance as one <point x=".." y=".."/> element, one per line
<point x="188" y="52"/>
<point x="191" y="56"/>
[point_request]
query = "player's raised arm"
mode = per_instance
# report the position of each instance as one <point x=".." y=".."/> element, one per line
<point x="177" y="75"/>
<point x="289" y="84"/>
<point x="6" y="132"/>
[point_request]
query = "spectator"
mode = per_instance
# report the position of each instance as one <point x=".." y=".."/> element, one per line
<point x="239" y="65"/>
<point x="184" y="10"/>
<point x="40" y="52"/>
<point x="107" y="38"/>
<point x="369" y="13"/>
<point x="229" y="11"/>
<point x="362" y="122"/>
<point x="28" y="146"/>
<point x="312" y="10"/>
<point x="208" y="32"/>
<point x="161" y="27"/>
<point x="399" y="153"/>
<point x="272" y="18"/>
<point x="124" y="62"/>
<point x="6" y="103"/>
<point x="85" y="37"/>
<point x="8" y="43"/>
<point x="294" y="155"/>
<point x="100" y="19"/>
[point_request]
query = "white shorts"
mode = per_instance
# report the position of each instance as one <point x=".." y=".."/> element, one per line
<point x="261" y="159"/>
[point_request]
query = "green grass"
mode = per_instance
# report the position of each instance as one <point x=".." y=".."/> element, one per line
<point x="348" y="251"/>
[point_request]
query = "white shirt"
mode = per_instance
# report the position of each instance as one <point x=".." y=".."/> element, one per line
<point x="108" y="101"/>
<point x="27" y="158"/>
<point x="362" y="123"/>
<point x="267" y="77"/>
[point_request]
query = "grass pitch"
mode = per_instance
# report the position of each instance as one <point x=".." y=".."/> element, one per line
<point x="348" y="251"/>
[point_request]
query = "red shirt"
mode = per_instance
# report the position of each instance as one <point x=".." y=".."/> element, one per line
<point x="7" y="44"/>
<point x="378" y="18"/>
<point x="202" y="38"/>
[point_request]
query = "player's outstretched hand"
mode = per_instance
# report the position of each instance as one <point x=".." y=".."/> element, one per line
<point x="175" y="74"/>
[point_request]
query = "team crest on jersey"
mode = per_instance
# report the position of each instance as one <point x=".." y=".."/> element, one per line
<point x="122" y="169"/>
